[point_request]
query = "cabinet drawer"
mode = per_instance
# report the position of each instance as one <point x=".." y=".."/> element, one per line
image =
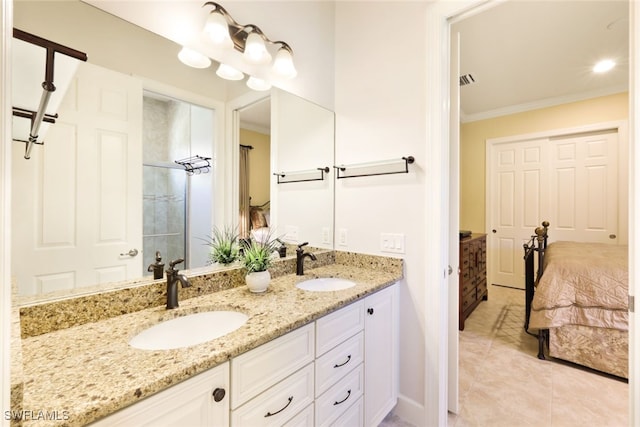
<point x="256" y="370"/>
<point x="303" y="419"/>
<point x="335" y="401"/>
<point x="353" y="417"/>
<point x="467" y="287"/>
<point x="468" y="299"/>
<point x="278" y="404"/>
<point x="482" y="288"/>
<point x="336" y="327"/>
<point x="336" y="363"/>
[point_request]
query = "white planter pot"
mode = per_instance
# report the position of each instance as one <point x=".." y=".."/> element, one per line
<point x="258" y="281"/>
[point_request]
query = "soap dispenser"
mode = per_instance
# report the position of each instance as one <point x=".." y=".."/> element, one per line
<point x="282" y="250"/>
<point x="157" y="268"/>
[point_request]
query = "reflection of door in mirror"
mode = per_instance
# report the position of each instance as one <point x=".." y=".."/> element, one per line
<point x="177" y="180"/>
<point x="254" y="170"/>
<point x="76" y="204"/>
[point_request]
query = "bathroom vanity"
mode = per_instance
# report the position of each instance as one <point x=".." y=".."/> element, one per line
<point x="302" y="358"/>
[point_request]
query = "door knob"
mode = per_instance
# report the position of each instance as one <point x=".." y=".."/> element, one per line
<point x="131" y="253"/>
<point x="612" y="236"/>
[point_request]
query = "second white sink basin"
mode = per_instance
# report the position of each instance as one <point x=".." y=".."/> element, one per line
<point x="188" y="330"/>
<point x="325" y="284"/>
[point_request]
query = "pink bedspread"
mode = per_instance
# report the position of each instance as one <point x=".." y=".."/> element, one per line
<point x="582" y="284"/>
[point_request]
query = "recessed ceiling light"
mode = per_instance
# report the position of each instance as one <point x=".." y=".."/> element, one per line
<point x="604" y="66"/>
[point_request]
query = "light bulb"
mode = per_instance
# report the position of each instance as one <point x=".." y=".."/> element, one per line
<point x="218" y="30"/>
<point x="283" y="64"/>
<point x="255" y="51"/>
<point x="227" y="72"/>
<point x="258" y="84"/>
<point x="604" y="66"/>
<point x="193" y="58"/>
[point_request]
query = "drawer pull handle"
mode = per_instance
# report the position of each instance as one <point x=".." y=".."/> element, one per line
<point x="370" y="310"/>
<point x="269" y="414"/>
<point x="343" y="400"/>
<point x="343" y="363"/>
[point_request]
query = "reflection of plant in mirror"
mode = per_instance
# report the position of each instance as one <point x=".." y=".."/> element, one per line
<point x="224" y="246"/>
<point x="257" y="254"/>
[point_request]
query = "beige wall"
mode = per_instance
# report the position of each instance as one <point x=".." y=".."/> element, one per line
<point x="474" y="135"/>
<point x="259" y="165"/>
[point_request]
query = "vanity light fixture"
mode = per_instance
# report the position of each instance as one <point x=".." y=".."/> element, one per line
<point x="258" y="84"/>
<point x="193" y="58"/>
<point x="227" y="72"/>
<point x="225" y="33"/>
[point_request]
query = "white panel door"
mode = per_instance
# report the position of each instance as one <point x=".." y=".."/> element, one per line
<point x="515" y="203"/>
<point x="572" y="181"/>
<point x="584" y="187"/>
<point x="77" y="204"/>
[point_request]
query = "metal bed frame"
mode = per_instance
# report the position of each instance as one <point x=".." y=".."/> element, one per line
<point x="537" y="244"/>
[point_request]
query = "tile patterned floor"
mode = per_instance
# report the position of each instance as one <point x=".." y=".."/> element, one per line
<point x="503" y="384"/>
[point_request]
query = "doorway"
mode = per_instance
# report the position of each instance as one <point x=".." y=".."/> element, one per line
<point x="178" y="142"/>
<point x="452" y="13"/>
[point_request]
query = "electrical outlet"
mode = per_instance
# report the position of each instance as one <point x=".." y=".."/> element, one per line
<point x="326" y="236"/>
<point x="392" y="243"/>
<point x="291" y="233"/>
<point x="342" y="237"/>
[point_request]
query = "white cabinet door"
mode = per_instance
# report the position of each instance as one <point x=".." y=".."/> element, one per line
<point x="381" y="354"/>
<point x="202" y="400"/>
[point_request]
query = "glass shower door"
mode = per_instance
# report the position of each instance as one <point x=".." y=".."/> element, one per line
<point x="164" y="214"/>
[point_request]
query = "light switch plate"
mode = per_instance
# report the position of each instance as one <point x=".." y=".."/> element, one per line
<point x="392" y="243"/>
<point x="326" y="236"/>
<point x="342" y="237"/>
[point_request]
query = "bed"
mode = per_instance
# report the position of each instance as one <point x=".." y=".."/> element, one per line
<point x="259" y="222"/>
<point x="577" y="300"/>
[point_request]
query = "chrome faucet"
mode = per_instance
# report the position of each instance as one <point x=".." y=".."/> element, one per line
<point x="300" y="256"/>
<point x="172" y="283"/>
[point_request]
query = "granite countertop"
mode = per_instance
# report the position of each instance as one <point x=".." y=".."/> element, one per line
<point x="86" y="372"/>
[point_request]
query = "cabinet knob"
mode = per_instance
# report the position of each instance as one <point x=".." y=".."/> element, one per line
<point x="370" y="310"/>
<point x="218" y="394"/>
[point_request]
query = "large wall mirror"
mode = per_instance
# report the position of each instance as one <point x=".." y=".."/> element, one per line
<point x="128" y="170"/>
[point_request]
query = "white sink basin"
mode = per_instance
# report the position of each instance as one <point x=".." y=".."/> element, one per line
<point x="188" y="330"/>
<point x="325" y="284"/>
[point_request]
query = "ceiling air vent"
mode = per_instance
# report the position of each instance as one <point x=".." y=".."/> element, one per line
<point x="466" y="79"/>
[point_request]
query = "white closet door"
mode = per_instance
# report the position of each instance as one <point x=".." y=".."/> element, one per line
<point x="572" y="181"/>
<point x="584" y="187"/>
<point x="77" y="204"/>
<point x="517" y="181"/>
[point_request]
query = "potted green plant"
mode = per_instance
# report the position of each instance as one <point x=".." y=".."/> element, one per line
<point x="224" y="246"/>
<point x="257" y="258"/>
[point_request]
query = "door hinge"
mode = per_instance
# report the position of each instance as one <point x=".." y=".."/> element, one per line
<point x="632" y="304"/>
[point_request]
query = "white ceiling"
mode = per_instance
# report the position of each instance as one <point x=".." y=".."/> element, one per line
<point x="525" y="55"/>
<point x="533" y="54"/>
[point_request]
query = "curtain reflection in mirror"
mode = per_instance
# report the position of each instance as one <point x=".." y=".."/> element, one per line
<point x="244" y="191"/>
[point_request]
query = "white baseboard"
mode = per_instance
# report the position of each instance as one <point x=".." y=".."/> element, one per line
<point x="410" y="411"/>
